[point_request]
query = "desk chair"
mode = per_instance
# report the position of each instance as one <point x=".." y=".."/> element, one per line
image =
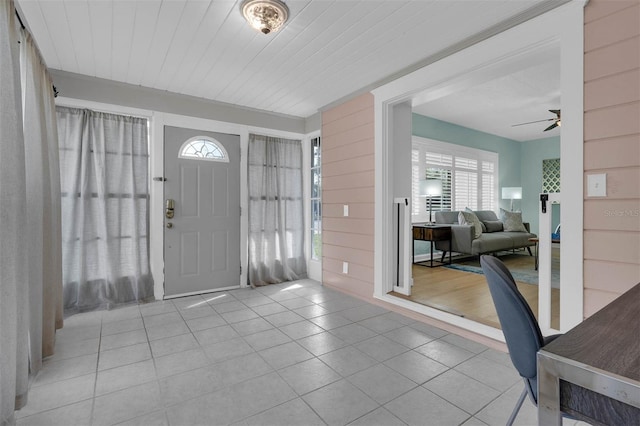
<point x="519" y="325"/>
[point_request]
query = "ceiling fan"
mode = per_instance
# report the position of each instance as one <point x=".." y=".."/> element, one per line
<point x="556" y="121"/>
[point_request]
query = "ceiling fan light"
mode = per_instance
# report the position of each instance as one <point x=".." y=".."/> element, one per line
<point x="266" y="16"/>
<point x="559" y="123"/>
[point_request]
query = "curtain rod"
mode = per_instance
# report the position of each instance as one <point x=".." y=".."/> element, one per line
<point x="19" y="19"/>
<point x="55" y="91"/>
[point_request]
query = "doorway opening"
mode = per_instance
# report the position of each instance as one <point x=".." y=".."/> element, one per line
<point x="472" y="141"/>
<point x="559" y="30"/>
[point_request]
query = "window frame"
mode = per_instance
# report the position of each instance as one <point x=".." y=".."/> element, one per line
<point x="315" y="227"/>
<point x="419" y="211"/>
<point x="185" y="144"/>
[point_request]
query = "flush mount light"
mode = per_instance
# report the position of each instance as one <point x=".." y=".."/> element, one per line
<point x="266" y="16"/>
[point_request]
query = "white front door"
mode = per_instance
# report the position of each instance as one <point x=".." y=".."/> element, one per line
<point x="202" y="193"/>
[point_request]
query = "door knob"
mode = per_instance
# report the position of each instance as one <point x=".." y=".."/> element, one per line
<point x="169" y="225"/>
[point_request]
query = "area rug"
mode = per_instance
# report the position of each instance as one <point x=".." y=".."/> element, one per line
<point x="521" y="267"/>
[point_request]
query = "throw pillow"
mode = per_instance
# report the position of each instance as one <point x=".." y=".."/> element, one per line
<point x="493" y="225"/>
<point x="484" y="228"/>
<point x="512" y="221"/>
<point x="466" y="218"/>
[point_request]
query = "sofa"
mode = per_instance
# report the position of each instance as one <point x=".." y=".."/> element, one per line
<point x="493" y="238"/>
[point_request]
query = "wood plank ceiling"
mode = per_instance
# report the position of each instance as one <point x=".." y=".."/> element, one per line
<point x="204" y="48"/>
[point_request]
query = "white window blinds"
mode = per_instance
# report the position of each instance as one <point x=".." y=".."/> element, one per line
<point x="469" y="177"/>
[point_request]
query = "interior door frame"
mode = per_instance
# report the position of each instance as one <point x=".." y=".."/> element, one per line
<point x="157" y="121"/>
<point x="544" y="261"/>
<point x="178" y="137"/>
<point x="564" y="26"/>
<point x="161" y="119"/>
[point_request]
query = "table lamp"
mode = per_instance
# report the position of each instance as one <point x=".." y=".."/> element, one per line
<point x="431" y="188"/>
<point x="512" y="193"/>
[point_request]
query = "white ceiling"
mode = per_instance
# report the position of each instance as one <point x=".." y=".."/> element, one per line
<point x="328" y="49"/>
<point x="495" y="106"/>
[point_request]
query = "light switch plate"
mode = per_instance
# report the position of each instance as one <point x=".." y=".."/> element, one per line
<point x="345" y="267"/>
<point x="597" y="185"/>
<point x="345" y="210"/>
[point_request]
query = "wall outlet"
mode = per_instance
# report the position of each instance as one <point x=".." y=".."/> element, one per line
<point x="345" y="267"/>
<point x="597" y="185"/>
<point x="345" y="210"/>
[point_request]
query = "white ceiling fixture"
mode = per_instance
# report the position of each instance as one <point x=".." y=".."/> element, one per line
<point x="266" y="16"/>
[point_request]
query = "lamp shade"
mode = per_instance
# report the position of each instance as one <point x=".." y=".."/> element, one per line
<point x="512" y="193"/>
<point x="431" y="187"/>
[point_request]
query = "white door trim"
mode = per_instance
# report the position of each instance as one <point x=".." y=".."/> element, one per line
<point x="157" y="155"/>
<point x="544" y="262"/>
<point x="157" y="121"/>
<point x="562" y="26"/>
<point x="207" y="204"/>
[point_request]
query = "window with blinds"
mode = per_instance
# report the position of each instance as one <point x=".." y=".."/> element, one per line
<point x="469" y="177"/>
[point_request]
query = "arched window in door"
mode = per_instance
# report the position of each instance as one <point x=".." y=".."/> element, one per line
<point x="203" y="148"/>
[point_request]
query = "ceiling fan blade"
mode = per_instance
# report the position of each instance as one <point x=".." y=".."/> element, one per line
<point x="531" y="122"/>
<point x="553" y="126"/>
<point x="555" y="111"/>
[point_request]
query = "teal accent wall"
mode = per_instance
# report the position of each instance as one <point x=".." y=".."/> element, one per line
<point x="508" y="150"/>
<point x="520" y="163"/>
<point x="532" y="154"/>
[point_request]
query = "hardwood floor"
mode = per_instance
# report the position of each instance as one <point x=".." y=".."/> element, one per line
<point x="466" y="294"/>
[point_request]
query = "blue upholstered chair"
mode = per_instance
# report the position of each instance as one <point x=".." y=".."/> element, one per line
<point x="519" y="325"/>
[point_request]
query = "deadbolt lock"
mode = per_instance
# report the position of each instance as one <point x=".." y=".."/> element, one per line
<point x="169" y="208"/>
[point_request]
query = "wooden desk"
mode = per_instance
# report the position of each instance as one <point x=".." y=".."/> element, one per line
<point x="593" y="371"/>
<point x="432" y="233"/>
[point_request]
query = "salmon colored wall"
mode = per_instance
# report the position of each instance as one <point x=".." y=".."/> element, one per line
<point x="611" y="146"/>
<point x="348" y="179"/>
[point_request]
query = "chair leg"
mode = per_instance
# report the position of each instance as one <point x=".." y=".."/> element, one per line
<point x="529" y="250"/>
<point x="444" y="253"/>
<point x="516" y="409"/>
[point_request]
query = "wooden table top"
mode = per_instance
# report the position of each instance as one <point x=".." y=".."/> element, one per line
<point x="553" y="240"/>
<point x="608" y="340"/>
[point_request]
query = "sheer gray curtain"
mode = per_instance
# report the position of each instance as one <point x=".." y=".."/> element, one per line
<point x="13" y="225"/>
<point x="43" y="203"/>
<point x="105" y="221"/>
<point x="276" y="214"/>
<point x="30" y="270"/>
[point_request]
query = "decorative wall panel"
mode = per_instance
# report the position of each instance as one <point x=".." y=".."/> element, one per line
<point x="551" y="175"/>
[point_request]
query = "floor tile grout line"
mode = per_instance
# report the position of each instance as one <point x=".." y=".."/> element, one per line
<point x="453" y="403"/>
<point x="359" y="321"/>
<point x="416" y="385"/>
<point x="170" y="405"/>
<point x="95" y="382"/>
<point x="301" y="396"/>
<point x="486" y="384"/>
<point x="274" y="370"/>
<point x="155" y="369"/>
<point x="346" y="378"/>
<point x="23" y="418"/>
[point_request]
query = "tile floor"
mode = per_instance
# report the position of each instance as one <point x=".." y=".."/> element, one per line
<point x="288" y="354"/>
